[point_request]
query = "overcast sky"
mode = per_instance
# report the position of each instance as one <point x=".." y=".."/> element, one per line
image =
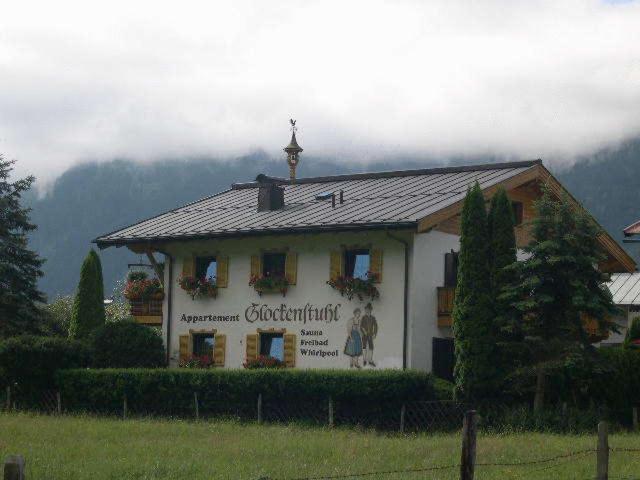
<point x="145" y="80"/>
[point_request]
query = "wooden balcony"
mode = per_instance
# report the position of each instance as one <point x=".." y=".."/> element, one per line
<point x="147" y="312"/>
<point x="592" y="327"/>
<point x="446" y="296"/>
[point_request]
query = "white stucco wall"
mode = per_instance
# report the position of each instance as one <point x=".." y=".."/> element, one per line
<point x="426" y="274"/>
<point x="311" y="289"/>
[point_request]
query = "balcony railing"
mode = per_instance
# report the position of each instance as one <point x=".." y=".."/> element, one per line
<point x="148" y="312"/>
<point x="446" y="295"/>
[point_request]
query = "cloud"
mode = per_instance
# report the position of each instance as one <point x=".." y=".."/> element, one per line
<point x="365" y="79"/>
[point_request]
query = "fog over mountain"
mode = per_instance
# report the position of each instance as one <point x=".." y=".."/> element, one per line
<point x="92" y="199"/>
<point x="367" y="80"/>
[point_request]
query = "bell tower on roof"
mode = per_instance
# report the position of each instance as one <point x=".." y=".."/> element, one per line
<point x="293" y="151"/>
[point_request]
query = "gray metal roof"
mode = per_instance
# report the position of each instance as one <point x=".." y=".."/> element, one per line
<point x="625" y="288"/>
<point x="371" y="200"/>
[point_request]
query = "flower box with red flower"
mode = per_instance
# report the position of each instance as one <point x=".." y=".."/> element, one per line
<point x="145" y="297"/>
<point x="197" y="361"/>
<point x="270" y="284"/>
<point x="263" y="361"/>
<point x="356" y="287"/>
<point x="199" y="287"/>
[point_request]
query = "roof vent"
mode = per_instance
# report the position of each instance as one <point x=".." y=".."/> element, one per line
<point x="270" y="195"/>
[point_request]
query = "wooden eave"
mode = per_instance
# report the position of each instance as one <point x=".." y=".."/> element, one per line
<point x="539" y="174"/>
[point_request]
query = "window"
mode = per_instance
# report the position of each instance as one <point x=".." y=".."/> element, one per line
<point x="206" y="267"/>
<point x="451" y="269"/>
<point x="357" y="263"/>
<point x="273" y="264"/>
<point x="203" y="344"/>
<point x="517" y="212"/>
<point x="272" y="345"/>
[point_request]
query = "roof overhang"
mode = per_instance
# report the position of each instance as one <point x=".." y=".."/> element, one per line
<point x="540" y="174"/>
<point x="142" y="245"/>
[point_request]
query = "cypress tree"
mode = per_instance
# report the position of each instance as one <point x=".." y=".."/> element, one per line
<point x="20" y="267"/>
<point x="555" y="287"/>
<point x="502" y="256"/>
<point x="502" y="241"/>
<point x="475" y="370"/>
<point x="88" y="306"/>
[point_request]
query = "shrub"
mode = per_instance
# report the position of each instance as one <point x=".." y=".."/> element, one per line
<point x="32" y="361"/>
<point x="171" y="390"/>
<point x="127" y="344"/>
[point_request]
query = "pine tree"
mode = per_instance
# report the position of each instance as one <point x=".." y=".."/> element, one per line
<point x="20" y="267"/>
<point x="88" y="306"/>
<point x="475" y="370"/>
<point x="555" y="287"/>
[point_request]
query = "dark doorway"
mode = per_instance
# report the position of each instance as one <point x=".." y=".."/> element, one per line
<point x="443" y="358"/>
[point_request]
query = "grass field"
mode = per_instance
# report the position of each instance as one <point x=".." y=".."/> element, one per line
<point x="90" y="448"/>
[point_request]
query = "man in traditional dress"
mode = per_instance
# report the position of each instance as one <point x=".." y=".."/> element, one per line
<point x="369" y="329"/>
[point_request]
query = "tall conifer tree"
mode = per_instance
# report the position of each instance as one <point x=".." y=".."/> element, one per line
<point x="502" y="241"/>
<point x="20" y="267"/>
<point x="88" y="306"/>
<point x="555" y="287"/>
<point x="475" y="371"/>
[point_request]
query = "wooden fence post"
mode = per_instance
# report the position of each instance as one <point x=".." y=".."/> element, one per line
<point x="468" y="458"/>
<point x="403" y="412"/>
<point x="259" y="408"/>
<point x="58" y="403"/>
<point x="8" y="398"/>
<point x="330" y="412"/>
<point x="124" y="407"/>
<point x="635" y="418"/>
<point x="14" y="467"/>
<point x="195" y="401"/>
<point x="602" y="466"/>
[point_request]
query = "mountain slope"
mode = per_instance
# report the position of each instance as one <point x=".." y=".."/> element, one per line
<point x="93" y="199"/>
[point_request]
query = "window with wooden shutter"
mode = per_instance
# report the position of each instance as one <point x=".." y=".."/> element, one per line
<point x="188" y="266"/>
<point x="375" y="263"/>
<point x="256" y="265"/>
<point x="290" y="349"/>
<point x="185" y="348"/>
<point x="222" y="280"/>
<point x="451" y="269"/>
<point x="335" y="265"/>
<point x="219" y="350"/>
<point x="291" y="267"/>
<point x="252" y="346"/>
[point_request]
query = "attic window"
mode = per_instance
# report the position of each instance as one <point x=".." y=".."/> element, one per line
<point x="517" y="212"/>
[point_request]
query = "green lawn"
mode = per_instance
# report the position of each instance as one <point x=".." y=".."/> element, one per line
<point x="90" y="448"/>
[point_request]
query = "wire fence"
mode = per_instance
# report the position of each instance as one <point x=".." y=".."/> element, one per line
<point x="409" y="416"/>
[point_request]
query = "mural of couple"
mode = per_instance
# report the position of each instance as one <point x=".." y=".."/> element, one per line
<point x="362" y="330"/>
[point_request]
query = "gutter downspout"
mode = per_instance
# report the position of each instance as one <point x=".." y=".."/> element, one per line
<point x="405" y="340"/>
<point x="168" y="291"/>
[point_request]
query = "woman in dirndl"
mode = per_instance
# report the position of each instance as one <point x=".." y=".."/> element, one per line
<point x="353" y="346"/>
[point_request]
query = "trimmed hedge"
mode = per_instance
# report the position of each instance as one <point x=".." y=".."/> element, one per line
<point x="171" y="391"/>
<point x="31" y="361"/>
